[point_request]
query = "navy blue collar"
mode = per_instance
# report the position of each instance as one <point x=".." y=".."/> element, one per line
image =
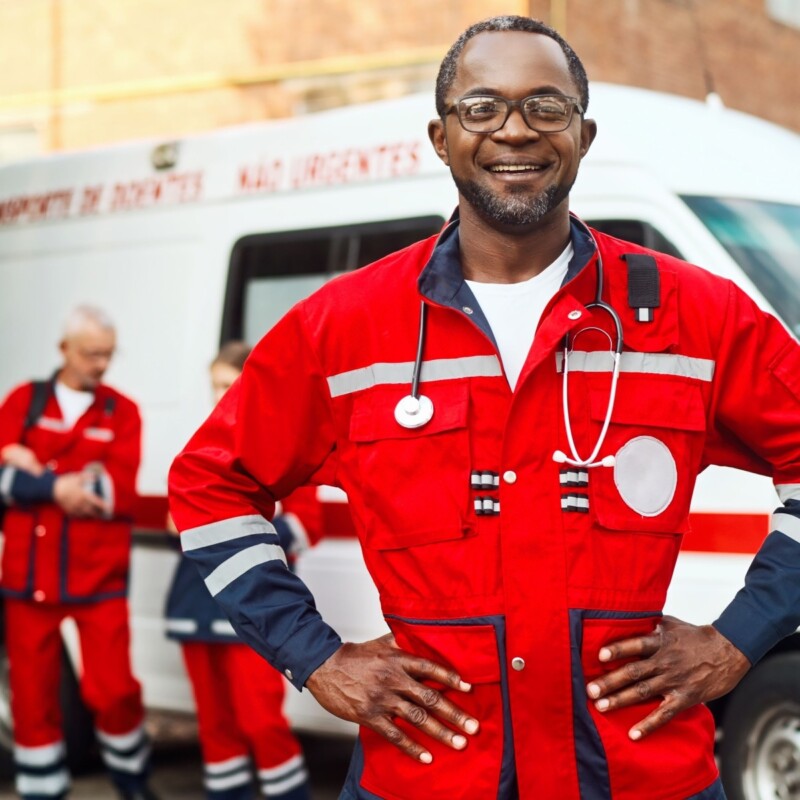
<point x="442" y="280"/>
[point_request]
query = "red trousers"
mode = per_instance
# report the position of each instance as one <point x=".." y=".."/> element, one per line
<point x="239" y="699"/>
<point x="107" y="684"/>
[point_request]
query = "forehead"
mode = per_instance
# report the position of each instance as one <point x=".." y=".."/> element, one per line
<point x="93" y="334"/>
<point x="512" y="63"/>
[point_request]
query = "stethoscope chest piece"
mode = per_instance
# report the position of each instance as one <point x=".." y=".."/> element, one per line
<point x="413" y="412"/>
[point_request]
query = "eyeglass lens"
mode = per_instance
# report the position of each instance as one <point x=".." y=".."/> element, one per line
<point x="546" y="113"/>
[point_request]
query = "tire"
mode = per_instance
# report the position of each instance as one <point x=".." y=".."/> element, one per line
<point x="760" y="748"/>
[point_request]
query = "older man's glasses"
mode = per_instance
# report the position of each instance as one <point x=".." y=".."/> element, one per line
<point x="546" y="113"/>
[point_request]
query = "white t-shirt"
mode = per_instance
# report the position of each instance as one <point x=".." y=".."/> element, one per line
<point x="72" y="402"/>
<point x="513" y="311"/>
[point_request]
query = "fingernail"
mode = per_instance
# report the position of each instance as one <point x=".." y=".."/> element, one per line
<point x="605" y="654"/>
<point x="471" y="726"/>
<point x="635" y="734"/>
<point x="593" y="689"/>
<point x="602" y="705"/>
<point x="425" y="758"/>
<point x="464" y="686"/>
<point x="459" y="742"/>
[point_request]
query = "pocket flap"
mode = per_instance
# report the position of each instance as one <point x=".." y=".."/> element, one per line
<point x="471" y="650"/>
<point x="654" y="401"/>
<point x="373" y="411"/>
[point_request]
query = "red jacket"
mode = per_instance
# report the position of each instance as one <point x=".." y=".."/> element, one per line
<point x="48" y="556"/>
<point x="518" y="600"/>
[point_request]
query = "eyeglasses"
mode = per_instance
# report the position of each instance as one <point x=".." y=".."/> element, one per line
<point x="546" y="113"/>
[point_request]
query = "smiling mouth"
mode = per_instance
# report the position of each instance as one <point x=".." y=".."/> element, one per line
<point x="515" y="168"/>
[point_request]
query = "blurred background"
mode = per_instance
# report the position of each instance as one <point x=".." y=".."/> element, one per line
<point x="79" y="73"/>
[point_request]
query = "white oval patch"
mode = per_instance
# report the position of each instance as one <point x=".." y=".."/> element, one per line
<point x="646" y="475"/>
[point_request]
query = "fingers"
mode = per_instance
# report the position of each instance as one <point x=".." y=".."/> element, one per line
<point x="665" y="712"/>
<point x="631" y="648"/>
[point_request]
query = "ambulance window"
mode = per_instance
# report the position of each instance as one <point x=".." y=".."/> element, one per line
<point x="764" y="239"/>
<point x="638" y="232"/>
<point x="271" y="272"/>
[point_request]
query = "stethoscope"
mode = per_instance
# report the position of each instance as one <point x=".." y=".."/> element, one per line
<point x="415" y="410"/>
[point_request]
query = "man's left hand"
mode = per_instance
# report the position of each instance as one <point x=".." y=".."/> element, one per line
<point x="681" y="663"/>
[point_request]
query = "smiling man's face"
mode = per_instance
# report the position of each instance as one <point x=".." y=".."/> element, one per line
<point x="514" y="177"/>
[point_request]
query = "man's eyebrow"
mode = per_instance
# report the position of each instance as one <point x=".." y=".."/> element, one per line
<point x="485" y="90"/>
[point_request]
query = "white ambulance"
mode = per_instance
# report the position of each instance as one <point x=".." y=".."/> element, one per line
<point x="190" y="243"/>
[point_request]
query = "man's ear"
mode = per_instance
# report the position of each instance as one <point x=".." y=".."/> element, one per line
<point x="588" y="132"/>
<point x="438" y="137"/>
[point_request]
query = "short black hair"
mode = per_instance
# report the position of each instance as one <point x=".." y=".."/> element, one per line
<point x="449" y="65"/>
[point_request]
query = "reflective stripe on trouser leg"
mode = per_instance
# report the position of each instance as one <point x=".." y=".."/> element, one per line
<point x="287" y="781"/>
<point x="126" y="756"/>
<point x="231" y="779"/>
<point x="41" y="772"/>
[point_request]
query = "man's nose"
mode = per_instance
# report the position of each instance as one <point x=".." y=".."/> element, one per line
<point x="516" y="129"/>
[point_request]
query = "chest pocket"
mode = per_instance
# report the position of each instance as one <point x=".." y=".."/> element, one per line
<point x="656" y="435"/>
<point x="414" y="482"/>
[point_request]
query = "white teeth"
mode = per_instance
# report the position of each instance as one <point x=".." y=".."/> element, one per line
<point x="514" y="168"/>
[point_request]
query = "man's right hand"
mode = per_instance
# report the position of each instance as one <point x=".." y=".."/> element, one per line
<point x="375" y="682"/>
<point x="75" y="500"/>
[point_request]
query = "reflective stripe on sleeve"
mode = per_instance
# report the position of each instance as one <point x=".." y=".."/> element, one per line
<point x="786" y="491"/>
<point x="440" y="369"/>
<point x="224" y="531"/>
<point x="6" y="482"/>
<point x="701" y="369"/>
<point x="787" y="524"/>
<point x="234" y="567"/>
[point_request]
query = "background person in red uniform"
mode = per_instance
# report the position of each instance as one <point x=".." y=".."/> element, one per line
<point x="68" y="479"/>
<point x="238" y="695"/>
<point x="522" y="578"/>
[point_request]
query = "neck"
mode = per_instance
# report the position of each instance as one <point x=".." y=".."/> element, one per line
<point x="71" y="381"/>
<point x="490" y="254"/>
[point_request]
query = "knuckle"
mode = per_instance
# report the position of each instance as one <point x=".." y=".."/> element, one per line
<point x="643" y="690"/>
<point x="633" y="670"/>
<point x="430" y="697"/>
<point x="394" y="735"/>
<point x="417" y="716"/>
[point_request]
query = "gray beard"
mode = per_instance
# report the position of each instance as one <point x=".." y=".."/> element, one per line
<point x="514" y="209"/>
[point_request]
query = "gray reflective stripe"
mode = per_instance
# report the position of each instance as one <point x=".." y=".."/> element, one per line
<point x="220" y="784"/>
<point x="222" y="627"/>
<point x="6" y="482"/>
<point x="230" y="764"/>
<point x="39" y="756"/>
<point x="134" y="764"/>
<point x="277" y="788"/>
<point x="181" y="626"/>
<point x="228" y="571"/>
<point x="787" y="524"/>
<point x="271" y="773"/>
<point x="786" y="491"/>
<point x="122" y="741"/>
<point x="56" y="784"/>
<point x="701" y="369"/>
<point x="224" y="531"/>
<point x="440" y="369"/>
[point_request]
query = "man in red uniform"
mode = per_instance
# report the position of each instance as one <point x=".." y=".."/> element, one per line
<point x="520" y="490"/>
<point x="69" y="453"/>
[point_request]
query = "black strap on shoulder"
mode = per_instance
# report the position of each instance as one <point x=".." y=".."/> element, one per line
<point x="644" y="286"/>
<point x="39" y="397"/>
<point x="110" y="405"/>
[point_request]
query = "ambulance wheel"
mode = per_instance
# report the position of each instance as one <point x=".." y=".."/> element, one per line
<point x="760" y="748"/>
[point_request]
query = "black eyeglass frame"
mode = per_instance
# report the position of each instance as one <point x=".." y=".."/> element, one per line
<point x="574" y="104"/>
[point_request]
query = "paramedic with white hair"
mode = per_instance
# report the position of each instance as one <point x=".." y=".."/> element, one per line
<point x="69" y="453"/>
